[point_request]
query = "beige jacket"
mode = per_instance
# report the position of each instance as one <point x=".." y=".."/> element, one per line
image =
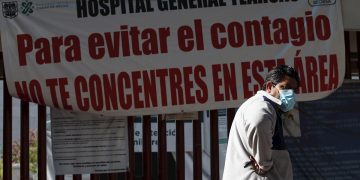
<point x="251" y="135"/>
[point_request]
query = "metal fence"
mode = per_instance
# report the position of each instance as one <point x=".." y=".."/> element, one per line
<point x="147" y="160"/>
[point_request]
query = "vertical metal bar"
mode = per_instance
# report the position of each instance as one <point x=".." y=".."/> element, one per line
<point x="162" y="148"/>
<point x="347" y="55"/>
<point x="180" y="150"/>
<point x="230" y="117"/>
<point x="113" y="176"/>
<point x="358" y="51"/>
<point x="41" y="142"/>
<point x="214" y="145"/>
<point x="122" y="176"/>
<point x="2" y="72"/>
<point x="94" y="177"/>
<point x="77" y="177"/>
<point x="130" y="175"/>
<point x="146" y="147"/>
<point x="59" y="177"/>
<point x="197" y="159"/>
<point x="24" y="140"/>
<point x="7" y="134"/>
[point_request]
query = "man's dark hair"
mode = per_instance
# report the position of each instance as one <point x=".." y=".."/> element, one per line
<point x="278" y="74"/>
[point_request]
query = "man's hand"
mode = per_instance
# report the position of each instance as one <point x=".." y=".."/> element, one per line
<point x="255" y="166"/>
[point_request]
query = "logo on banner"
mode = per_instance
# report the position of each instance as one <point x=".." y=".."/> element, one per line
<point x="321" y="2"/>
<point x="27" y="7"/>
<point x="10" y="9"/>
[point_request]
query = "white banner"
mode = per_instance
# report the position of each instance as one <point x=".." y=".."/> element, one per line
<point x="155" y="57"/>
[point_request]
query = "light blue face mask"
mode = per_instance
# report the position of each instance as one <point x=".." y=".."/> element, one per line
<point x="288" y="100"/>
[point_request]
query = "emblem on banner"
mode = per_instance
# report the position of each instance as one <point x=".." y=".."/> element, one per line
<point x="10" y="9"/>
<point x="321" y="2"/>
<point x="27" y="7"/>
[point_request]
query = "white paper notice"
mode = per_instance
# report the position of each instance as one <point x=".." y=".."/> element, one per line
<point x="88" y="143"/>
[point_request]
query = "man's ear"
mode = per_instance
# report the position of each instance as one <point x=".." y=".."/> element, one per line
<point x="268" y="86"/>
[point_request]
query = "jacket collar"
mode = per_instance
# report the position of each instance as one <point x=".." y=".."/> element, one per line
<point x="270" y="97"/>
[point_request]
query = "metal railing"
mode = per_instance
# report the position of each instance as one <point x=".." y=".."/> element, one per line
<point x="352" y="68"/>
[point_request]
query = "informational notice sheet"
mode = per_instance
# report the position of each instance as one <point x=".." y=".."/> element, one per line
<point x="88" y="143"/>
<point x="170" y="136"/>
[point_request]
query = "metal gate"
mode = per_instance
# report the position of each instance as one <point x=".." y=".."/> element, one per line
<point x="162" y="173"/>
